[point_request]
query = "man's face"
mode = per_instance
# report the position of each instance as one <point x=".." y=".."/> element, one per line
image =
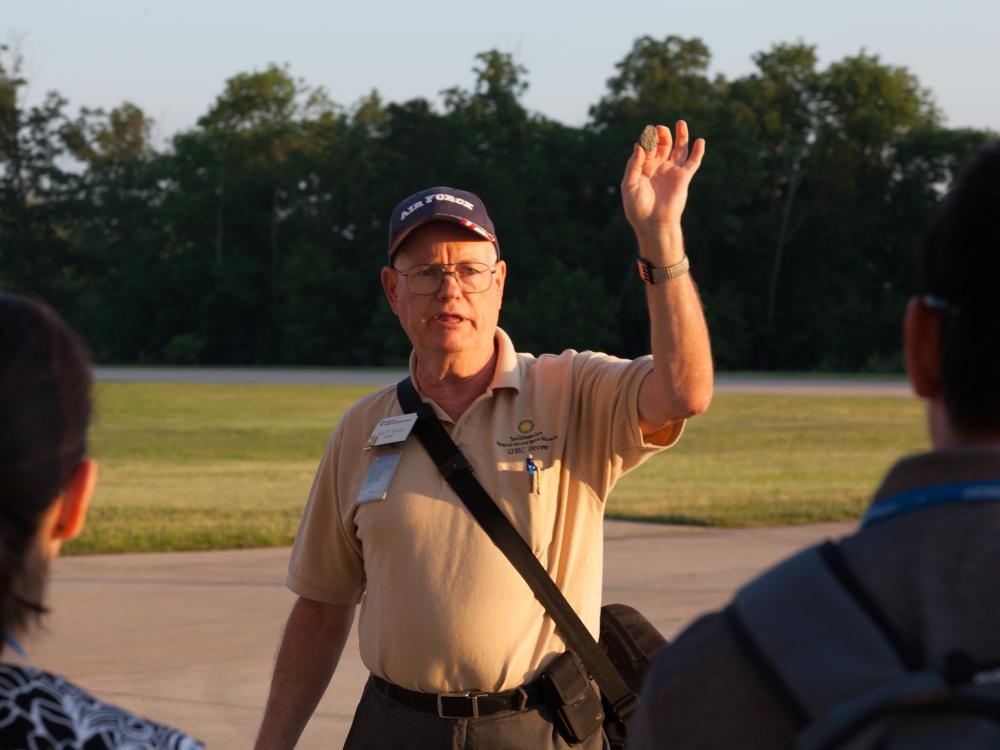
<point x="451" y="320"/>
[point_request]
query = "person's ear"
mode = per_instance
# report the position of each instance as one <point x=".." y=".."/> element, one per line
<point x="501" y="278"/>
<point x="64" y="519"/>
<point x="74" y="502"/>
<point x="390" y="284"/>
<point x="922" y="342"/>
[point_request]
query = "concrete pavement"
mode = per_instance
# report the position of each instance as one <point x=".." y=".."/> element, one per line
<point x="188" y="638"/>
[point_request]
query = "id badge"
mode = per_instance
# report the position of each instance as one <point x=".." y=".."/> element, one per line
<point x="391" y="430"/>
<point x="380" y="474"/>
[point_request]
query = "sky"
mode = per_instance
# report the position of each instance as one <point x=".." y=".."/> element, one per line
<point x="172" y="59"/>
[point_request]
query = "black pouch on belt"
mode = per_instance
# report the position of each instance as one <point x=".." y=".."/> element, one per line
<point x="572" y="697"/>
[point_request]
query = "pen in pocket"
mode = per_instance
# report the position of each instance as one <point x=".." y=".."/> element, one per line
<point x="532" y="470"/>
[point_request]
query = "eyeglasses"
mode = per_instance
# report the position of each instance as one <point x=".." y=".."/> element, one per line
<point x="427" y="278"/>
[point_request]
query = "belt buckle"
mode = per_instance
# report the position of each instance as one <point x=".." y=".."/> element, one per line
<point x="473" y="694"/>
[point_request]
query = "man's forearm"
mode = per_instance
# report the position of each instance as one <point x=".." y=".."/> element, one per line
<point x="681" y="383"/>
<point x="310" y="648"/>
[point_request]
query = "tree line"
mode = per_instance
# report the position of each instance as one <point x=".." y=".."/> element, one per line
<point x="256" y="237"/>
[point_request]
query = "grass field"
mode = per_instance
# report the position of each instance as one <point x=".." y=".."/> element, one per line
<point x="197" y="466"/>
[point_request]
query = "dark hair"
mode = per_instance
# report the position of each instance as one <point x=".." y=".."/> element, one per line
<point x="45" y="405"/>
<point x="962" y="269"/>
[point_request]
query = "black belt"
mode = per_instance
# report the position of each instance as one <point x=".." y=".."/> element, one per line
<point x="469" y="704"/>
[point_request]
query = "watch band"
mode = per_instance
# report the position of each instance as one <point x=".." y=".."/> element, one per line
<point x="652" y="274"/>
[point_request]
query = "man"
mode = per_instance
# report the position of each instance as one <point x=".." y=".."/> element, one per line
<point x="442" y="611"/>
<point x="924" y="561"/>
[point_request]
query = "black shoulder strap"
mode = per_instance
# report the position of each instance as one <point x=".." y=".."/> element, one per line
<point x="458" y="472"/>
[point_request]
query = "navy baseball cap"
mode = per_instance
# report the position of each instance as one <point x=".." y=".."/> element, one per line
<point x="440" y="204"/>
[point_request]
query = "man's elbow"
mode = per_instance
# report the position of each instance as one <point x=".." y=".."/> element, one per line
<point x="678" y="410"/>
<point x="661" y="403"/>
<point x="691" y="401"/>
<point x="698" y="402"/>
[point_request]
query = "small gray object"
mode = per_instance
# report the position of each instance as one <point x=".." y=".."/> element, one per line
<point x="649" y="138"/>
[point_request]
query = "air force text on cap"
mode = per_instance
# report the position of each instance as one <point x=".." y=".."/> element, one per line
<point x="430" y="199"/>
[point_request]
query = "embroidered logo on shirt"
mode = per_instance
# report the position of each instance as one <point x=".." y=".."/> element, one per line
<point x="527" y="440"/>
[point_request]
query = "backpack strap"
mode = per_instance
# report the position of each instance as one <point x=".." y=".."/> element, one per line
<point x="834" y="559"/>
<point x="809" y="634"/>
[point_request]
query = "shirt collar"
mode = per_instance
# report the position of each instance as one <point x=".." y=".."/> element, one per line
<point x="507" y="373"/>
<point x="974" y="463"/>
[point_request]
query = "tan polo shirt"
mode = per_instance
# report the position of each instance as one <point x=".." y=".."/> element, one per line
<point x="441" y="607"/>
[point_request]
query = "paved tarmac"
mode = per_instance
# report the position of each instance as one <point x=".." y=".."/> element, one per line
<point x="188" y="638"/>
<point x="750" y="383"/>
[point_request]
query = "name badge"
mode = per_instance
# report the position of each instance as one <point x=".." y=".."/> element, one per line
<point x="391" y="430"/>
<point x="380" y="474"/>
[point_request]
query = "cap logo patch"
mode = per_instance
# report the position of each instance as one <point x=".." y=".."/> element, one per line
<point x="429" y="199"/>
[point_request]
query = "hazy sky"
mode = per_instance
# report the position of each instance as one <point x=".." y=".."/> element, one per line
<point x="172" y="59"/>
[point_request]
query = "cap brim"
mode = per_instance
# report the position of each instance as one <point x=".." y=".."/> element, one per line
<point x="482" y="232"/>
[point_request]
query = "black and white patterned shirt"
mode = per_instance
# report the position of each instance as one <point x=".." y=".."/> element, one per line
<point x="42" y="711"/>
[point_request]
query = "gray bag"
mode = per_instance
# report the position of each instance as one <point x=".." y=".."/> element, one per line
<point x="842" y="673"/>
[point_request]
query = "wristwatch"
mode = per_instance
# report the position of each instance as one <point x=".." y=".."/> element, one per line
<point x="652" y="274"/>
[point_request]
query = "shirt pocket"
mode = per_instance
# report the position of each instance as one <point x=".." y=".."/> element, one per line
<point x="531" y="505"/>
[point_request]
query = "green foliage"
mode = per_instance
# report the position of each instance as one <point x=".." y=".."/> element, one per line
<point x="183" y="349"/>
<point x="35" y="254"/>
<point x="257" y="236"/>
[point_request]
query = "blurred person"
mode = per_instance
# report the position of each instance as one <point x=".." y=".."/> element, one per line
<point x="46" y="482"/>
<point x="918" y="579"/>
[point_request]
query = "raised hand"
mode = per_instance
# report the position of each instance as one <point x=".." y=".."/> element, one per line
<point x="655" y="185"/>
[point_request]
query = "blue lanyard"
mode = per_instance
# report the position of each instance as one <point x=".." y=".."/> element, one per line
<point x="939" y="494"/>
<point x="12" y="642"/>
